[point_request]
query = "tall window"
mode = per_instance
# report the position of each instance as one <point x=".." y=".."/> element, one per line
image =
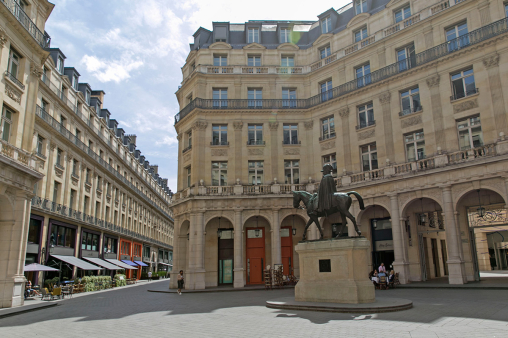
<point x="326" y="25"/>
<point x="463" y="84"/>
<point x="72" y="198"/>
<point x="87" y="97"/>
<point x="361" y="6"/>
<point x="220" y="60"/>
<point x="325" y="52"/>
<point x="75" y="82"/>
<point x="59" y="157"/>
<point x="289" y="97"/>
<point x="189" y="139"/>
<point x="457" y="36"/>
<point x="188" y="172"/>
<point x="506" y="10"/>
<point x="369" y="157"/>
<point x="34" y="231"/>
<point x="60" y="65"/>
<point x="87" y="175"/>
<point x="292" y="171"/>
<point x="415" y="146"/>
<point x="287" y="61"/>
<point x="360" y="34"/>
<point x="332" y="160"/>
<point x="75" y="167"/>
<point x="363" y="75"/>
<point x="470" y="133"/>
<point x="56" y="192"/>
<point x="365" y="115"/>
<point x="290" y="133"/>
<point x="253" y="35"/>
<point x="327" y="128"/>
<point x="256" y="172"/>
<point x="220" y="98"/>
<point x="326" y="90"/>
<point x="62" y="236"/>
<point x="85" y="204"/>
<point x="406" y="57"/>
<point x="402" y="14"/>
<point x="13" y="65"/>
<point x="219" y="134"/>
<point x="255" y="98"/>
<point x="285" y="35"/>
<point x="6" y="123"/>
<point x="40" y="145"/>
<point x="254" y="61"/>
<point x="255" y="134"/>
<point x="219" y="173"/>
<point x="410" y="101"/>
<point x="89" y="241"/>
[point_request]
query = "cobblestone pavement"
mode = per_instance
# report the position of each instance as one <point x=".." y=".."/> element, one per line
<point x="134" y="312"/>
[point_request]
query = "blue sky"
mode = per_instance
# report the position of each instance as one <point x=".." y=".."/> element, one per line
<point x="134" y="51"/>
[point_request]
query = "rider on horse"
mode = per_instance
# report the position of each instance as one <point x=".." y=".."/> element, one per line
<point x="326" y="189"/>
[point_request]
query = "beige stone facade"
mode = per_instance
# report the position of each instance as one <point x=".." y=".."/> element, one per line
<point x="419" y="130"/>
<point x="71" y="182"/>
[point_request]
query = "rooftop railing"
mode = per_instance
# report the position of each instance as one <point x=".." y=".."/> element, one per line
<point x="75" y="140"/>
<point x="43" y="39"/>
<point x="63" y="210"/>
<point x="429" y="55"/>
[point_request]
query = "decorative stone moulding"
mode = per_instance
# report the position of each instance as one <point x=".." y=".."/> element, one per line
<point x="292" y="151"/>
<point x="219" y="152"/>
<point x="256" y="151"/>
<point x="366" y="134"/>
<point x="328" y="145"/>
<point x="411" y="121"/>
<point x="466" y="105"/>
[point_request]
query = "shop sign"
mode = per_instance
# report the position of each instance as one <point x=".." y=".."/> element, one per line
<point x="384" y="245"/>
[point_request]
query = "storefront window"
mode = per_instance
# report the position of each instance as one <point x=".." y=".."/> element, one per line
<point x="110" y="245"/>
<point x="90" y="241"/>
<point x="62" y="236"/>
<point x="34" y="231"/>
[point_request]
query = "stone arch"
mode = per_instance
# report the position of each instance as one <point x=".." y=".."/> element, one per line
<point x="253" y="213"/>
<point x="209" y="215"/>
<point x="369" y="207"/>
<point x="288" y="212"/>
<point x="460" y="196"/>
<point x="183" y="227"/>
<point x="403" y="209"/>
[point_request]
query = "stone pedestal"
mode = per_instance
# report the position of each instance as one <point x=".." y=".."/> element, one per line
<point x="334" y="271"/>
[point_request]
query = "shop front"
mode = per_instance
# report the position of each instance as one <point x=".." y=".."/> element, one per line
<point x="61" y="242"/>
<point x="136" y="258"/>
<point x="125" y="256"/>
<point x="34" y="246"/>
<point x="382" y="242"/>
<point x="90" y="245"/>
<point x="146" y="259"/>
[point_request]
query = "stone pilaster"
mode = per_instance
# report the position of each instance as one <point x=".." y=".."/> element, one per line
<point x="400" y="264"/>
<point x="384" y="99"/>
<point x="491" y="64"/>
<point x="346" y="141"/>
<point x="238" y="280"/>
<point x="276" y="244"/>
<point x="274" y="153"/>
<point x="437" y="113"/>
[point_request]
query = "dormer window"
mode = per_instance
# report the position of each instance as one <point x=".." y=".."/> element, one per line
<point x="361" y="6"/>
<point x="75" y="81"/>
<point x="87" y="97"/>
<point x="285" y="35"/>
<point x="326" y="25"/>
<point x="325" y="52"/>
<point x="220" y="34"/>
<point x="253" y="35"/>
<point x="60" y="64"/>
<point x="402" y="14"/>
<point x="220" y="60"/>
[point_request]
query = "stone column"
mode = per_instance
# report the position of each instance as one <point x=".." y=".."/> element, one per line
<point x="437" y="113"/>
<point x="491" y="64"/>
<point x="198" y="252"/>
<point x="49" y="178"/>
<point x="276" y="245"/>
<point x="198" y="156"/>
<point x="274" y="151"/>
<point x="238" y="280"/>
<point x="344" y="114"/>
<point x="456" y="271"/>
<point x="400" y="264"/>
<point x="27" y="120"/>
<point x="237" y="153"/>
<point x="384" y="99"/>
<point x="307" y="149"/>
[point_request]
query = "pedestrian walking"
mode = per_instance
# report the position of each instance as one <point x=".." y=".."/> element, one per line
<point x="149" y="276"/>
<point x="180" y="282"/>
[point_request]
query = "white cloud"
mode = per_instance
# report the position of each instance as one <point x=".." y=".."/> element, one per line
<point x="110" y="70"/>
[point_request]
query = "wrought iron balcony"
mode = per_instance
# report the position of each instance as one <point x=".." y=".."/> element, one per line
<point x="429" y="55"/>
<point x="219" y="143"/>
<point x="187" y="149"/>
<point x="291" y="142"/>
<point x="11" y="77"/>
<point x="411" y="110"/>
<point x="255" y="143"/>
<point x="463" y="94"/>
<point x="43" y="39"/>
<point x="365" y="124"/>
<point x="327" y="136"/>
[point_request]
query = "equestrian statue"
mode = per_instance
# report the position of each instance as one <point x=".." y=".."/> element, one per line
<point x="326" y="202"/>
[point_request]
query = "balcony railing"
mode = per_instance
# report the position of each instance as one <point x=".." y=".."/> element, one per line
<point x="291" y="142"/>
<point x="255" y="143"/>
<point x="429" y="55"/>
<point x="14" y="79"/>
<point x="43" y="39"/>
<point x="219" y="143"/>
<point x="327" y="136"/>
<point x="354" y="179"/>
<point x="186" y="149"/>
<point x="365" y="124"/>
<point x="17" y="155"/>
<point x="463" y="94"/>
<point x="63" y="210"/>
<point x="411" y="110"/>
<point x="67" y="134"/>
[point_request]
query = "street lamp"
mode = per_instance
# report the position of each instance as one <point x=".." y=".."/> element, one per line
<point x="257" y="231"/>
<point x="480" y="210"/>
<point x="423" y="217"/>
<point x="219" y="231"/>
<point x="374" y="221"/>
<point x="294" y="229"/>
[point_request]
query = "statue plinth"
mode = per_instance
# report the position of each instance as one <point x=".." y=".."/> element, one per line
<point x="335" y="271"/>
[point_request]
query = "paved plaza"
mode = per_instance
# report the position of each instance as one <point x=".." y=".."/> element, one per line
<point x="134" y="312"/>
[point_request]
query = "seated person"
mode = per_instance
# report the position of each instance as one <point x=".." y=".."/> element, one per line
<point x="391" y="276"/>
<point x="375" y="277"/>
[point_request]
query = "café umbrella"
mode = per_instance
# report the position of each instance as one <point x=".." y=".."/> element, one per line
<point x="38" y="267"/>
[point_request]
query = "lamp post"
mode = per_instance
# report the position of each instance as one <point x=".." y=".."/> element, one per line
<point x="480" y="210"/>
<point x="423" y="217"/>
<point x="294" y="229"/>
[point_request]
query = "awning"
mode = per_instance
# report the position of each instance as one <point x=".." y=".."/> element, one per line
<point x="81" y="264"/>
<point x="103" y="263"/>
<point x="38" y="267"/>
<point x="140" y="263"/>
<point x="166" y="264"/>
<point x="131" y="263"/>
<point x="120" y="264"/>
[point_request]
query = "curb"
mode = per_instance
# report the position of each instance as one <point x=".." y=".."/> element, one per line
<point x="225" y="290"/>
<point x="21" y="310"/>
<point x="454" y="287"/>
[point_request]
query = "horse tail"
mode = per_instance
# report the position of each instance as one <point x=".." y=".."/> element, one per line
<point x="360" y="199"/>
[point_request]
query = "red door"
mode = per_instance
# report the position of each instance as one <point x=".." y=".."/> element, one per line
<point x="286" y="243"/>
<point x="256" y="262"/>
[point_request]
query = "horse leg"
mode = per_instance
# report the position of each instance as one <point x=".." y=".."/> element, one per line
<point x="353" y="219"/>
<point x="316" y="221"/>
<point x="344" y="224"/>
<point x="304" y="237"/>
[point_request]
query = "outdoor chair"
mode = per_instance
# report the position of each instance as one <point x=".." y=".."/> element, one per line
<point x="382" y="283"/>
<point x="268" y="279"/>
<point x="45" y="293"/>
<point x="57" y="292"/>
<point x="396" y="279"/>
<point x="65" y="291"/>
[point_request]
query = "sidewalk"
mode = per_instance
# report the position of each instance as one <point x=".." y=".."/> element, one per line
<point x="36" y="303"/>
<point x="226" y="289"/>
<point x="489" y="280"/>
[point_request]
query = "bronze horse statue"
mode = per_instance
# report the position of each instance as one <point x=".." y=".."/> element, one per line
<point x="341" y="204"/>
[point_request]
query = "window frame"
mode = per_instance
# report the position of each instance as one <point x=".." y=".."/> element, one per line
<point x="411" y="93"/>
<point x="365" y="79"/>
<point x="289" y="128"/>
<point x="293" y="167"/>
<point x="222" y="100"/>
<point x="469" y="128"/>
<point x="369" y="153"/>
<point x="220" y="171"/>
<point x="285" y="35"/>
<point x="287" y="61"/>
<point x="222" y="60"/>
<point x="255" y="102"/>
<point x="463" y="78"/>
<point x="6" y="121"/>
<point x="12" y="55"/>
<point x="254" y="38"/>
<point x="363" y="34"/>
<point x="289" y="97"/>
<point x="360" y="6"/>
<point x="220" y="129"/>
<point x="60" y="64"/>
<point x="330" y="123"/>
<point x="326" y="25"/>
<point x="257" y="169"/>
<point x="402" y="10"/>
<point x="414" y="142"/>
<point x="252" y="60"/>
<point x="368" y="110"/>
<point x="325" y="52"/>
<point x="254" y="129"/>
<point x="332" y="160"/>
<point x="326" y="90"/>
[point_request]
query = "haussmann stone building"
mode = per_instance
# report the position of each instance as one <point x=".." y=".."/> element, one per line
<point x="406" y="99"/>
